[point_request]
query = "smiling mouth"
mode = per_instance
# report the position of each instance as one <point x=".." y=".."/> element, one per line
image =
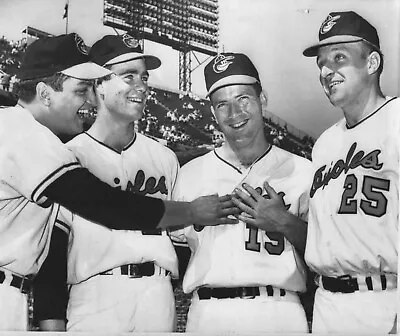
<point x="87" y="113"/>
<point x="239" y="124"/>
<point x="334" y="83"/>
<point x="136" y="100"/>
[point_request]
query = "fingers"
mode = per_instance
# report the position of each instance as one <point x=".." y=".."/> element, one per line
<point x="244" y="198"/>
<point x="247" y="219"/>
<point x="243" y="207"/>
<point x="271" y="191"/>
<point x="225" y="198"/>
<point x="233" y="210"/>
<point x="252" y="192"/>
<point x="227" y="220"/>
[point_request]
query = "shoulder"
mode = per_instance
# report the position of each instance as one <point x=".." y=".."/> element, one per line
<point x="328" y="136"/>
<point x="81" y="142"/>
<point x="156" y="145"/>
<point x="299" y="163"/>
<point x="197" y="163"/>
<point x="78" y="140"/>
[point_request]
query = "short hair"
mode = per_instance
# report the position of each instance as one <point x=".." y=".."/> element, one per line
<point x="366" y="49"/>
<point x="27" y="88"/>
<point x="257" y="87"/>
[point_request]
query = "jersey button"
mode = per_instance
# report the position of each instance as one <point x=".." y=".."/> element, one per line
<point x="116" y="180"/>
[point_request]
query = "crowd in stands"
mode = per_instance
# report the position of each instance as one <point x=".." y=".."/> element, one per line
<point x="187" y="120"/>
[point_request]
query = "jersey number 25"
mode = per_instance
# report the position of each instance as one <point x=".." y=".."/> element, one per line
<point x="375" y="203"/>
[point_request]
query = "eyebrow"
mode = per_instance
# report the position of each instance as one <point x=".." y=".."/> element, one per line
<point x="86" y="82"/>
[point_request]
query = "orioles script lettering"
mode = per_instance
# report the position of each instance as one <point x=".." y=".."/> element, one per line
<point x="353" y="160"/>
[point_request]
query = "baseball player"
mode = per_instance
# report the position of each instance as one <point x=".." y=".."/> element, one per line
<point x="125" y="285"/>
<point x="39" y="173"/>
<point x="354" y="209"/>
<point x="245" y="278"/>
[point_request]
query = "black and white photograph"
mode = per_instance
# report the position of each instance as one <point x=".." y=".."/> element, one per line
<point x="222" y="167"/>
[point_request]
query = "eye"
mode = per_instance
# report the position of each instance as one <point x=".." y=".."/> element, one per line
<point x="220" y="106"/>
<point x="82" y="92"/>
<point x="243" y="100"/>
<point x="128" y="77"/>
<point x="339" y="58"/>
<point x="145" y="78"/>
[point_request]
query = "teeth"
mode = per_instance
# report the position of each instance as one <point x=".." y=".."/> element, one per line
<point x="135" y="99"/>
<point x="86" y="113"/>
<point x="239" y="124"/>
<point x="332" y="84"/>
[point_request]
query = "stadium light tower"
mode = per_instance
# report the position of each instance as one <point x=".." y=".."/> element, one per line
<point x="185" y="25"/>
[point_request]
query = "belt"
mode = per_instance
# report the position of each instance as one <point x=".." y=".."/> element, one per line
<point x="137" y="270"/>
<point x="23" y="283"/>
<point x="349" y="284"/>
<point x="206" y="293"/>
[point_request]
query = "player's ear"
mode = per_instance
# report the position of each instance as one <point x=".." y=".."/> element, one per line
<point x="43" y="94"/>
<point x="263" y="99"/>
<point x="374" y="61"/>
<point x="99" y="90"/>
<point x="213" y="111"/>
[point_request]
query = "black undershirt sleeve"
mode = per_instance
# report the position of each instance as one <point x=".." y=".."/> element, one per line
<point x="81" y="192"/>
<point x="50" y="291"/>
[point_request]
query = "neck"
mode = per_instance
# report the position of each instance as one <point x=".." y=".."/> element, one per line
<point x="115" y="134"/>
<point x="366" y="104"/>
<point x="246" y="155"/>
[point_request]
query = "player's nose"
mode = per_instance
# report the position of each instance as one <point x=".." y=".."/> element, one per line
<point x="325" y="71"/>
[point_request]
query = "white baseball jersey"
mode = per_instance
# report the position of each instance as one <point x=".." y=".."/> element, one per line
<point x="144" y="167"/>
<point x="242" y="255"/>
<point x="354" y="209"/>
<point x="31" y="158"/>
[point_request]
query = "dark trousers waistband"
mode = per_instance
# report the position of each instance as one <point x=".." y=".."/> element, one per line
<point x="349" y="284"/>
<point x="134" y="270"/>
<point x="206" y="293"/>
<point x="24" y="284"/>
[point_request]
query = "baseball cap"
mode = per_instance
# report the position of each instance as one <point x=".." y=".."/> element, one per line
<point x="115" y="49"/>
<point x="66" y="53"/>
<point x="229" y="69"/>
<point x="342" y="27"/>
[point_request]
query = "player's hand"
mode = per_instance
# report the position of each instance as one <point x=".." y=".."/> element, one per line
<point x="214" y="210"/>
<point x="260" y="211"/>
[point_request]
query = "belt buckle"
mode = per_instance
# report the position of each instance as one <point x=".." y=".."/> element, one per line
<point x="133" y="271"/>
<point x="24" y="289"/>
<point x="351" y="283"/>
<point x="244" y="293"/>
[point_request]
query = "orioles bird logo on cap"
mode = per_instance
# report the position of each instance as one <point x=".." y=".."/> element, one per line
<point x="329" y="22"/>
<point x="130" y="41"/>
<point x="82" y="47"/>
<point x="222" y="62"/>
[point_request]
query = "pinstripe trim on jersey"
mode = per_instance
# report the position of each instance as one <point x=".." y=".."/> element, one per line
<point x="37" y="196"/>
<point x="265" y="153"/>
<point x="130" y="143"/>
<point x="369" y="116"/>
<point x="63" y="226"/>
<point x="237" y="169"/>
<point x="229" y="164"/>
<point x="111" y="148"/>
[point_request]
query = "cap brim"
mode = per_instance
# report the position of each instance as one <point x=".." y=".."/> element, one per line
<point x="87" y="70"/>
<point x="313" y="50"/>
<point x="152" y="62"/>
<point x="231" y="80"/>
